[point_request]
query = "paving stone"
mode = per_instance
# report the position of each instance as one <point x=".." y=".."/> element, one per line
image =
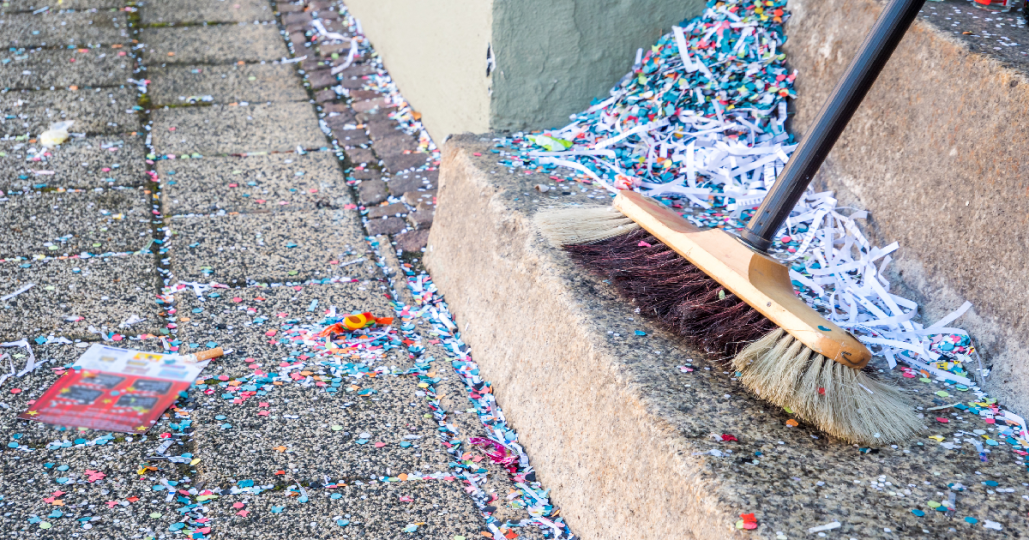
<point x="412" y="181"/>
<point x="232" y="249"/>
<point x="96" y="111"/>
<point x="401" y="162"/>
<point x="380" y="127"/>
<point x="386" y="225"/>
<point x="331" y="20"/>
<point x="28" y="481"/>
<point x="372" y="192"/>
<point x="224" y="129"/>
<point x="299" y="28"/>
<point x="370" y="104"/>
<point x="395" y="144"/>
<point x="350" y="137"/>
<point x="361" y="156"/>
<point x="241" y="319"/>
<point x="321" y="78"/>
<point x="174" y="85"/>
<point x="339" y="49"/>
<point x="356" y="70"/>
<point x="299" y="42"/>
<point x="43" y="68"/>
<point x="199" y="11"/>
<point x="72" y="295"/>
<point x="365" y="174"/>
<point x="361" y="95"/>
<point x="313" y="450"/>
<point x="336" y="110"/>
<point x="414" y="198"/>
<point x="62" y="29"/>
<point x="395" y="209"/>
<point x="313" y="63"/>
<point x="374" y="509"/>
<point x="11" y="6"/>
<point x="113" y="160"/>
<point x="219" y="44"/>
<point x="296" y="17"/>
<point x="113" y="220"/>
<point x="283" y="7"/>
<point x="412" y="241"/>
<point x="352" y="84"/>
<point x="326" y="95"/>
<point x="253" y="184"/>
<point x="421" y="218"/>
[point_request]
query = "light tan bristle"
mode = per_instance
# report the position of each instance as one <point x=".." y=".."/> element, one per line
<point x="582" y="224"/>
<point x="839" y="400"/>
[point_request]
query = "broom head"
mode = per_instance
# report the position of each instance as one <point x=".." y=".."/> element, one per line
<point x="797" y="360"/>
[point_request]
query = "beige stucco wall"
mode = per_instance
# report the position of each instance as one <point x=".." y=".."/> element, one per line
<point x="436" y="52"/>
<point x="551" y="56"/>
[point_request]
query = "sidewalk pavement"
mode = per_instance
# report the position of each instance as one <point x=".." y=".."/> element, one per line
<point x="224" y="187"/>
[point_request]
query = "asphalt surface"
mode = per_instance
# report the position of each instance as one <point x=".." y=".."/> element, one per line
<point x="210" y="194"/>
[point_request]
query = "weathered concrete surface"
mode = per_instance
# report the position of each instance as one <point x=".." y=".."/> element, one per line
<point x="15" y="6"/>
<point x="309" y="434"/>
<point x="175" y="85"/>
<point x="226" y="129"/>
<point x="42" y="68"/>
<point x="624" y="438"/>
<point x="70" y="296"/>
<point x="273" y="183"/>
<point x="99" y="110"/>
<point x="63" y="29"/>
<point x="218" y="44"/>
<point x="108" y="220"/>
<point x="201" y="11"/>
<point x="250" y="247"/>
<point x="89" y="162"/>
<point x="937" y="155"/>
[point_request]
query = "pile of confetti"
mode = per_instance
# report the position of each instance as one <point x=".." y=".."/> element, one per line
<point x="699" y="125"/>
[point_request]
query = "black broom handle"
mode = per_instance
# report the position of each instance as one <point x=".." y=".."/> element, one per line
<point x="889" y="29"/>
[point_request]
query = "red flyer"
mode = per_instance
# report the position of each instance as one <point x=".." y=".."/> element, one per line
<point x="122" y="390"/>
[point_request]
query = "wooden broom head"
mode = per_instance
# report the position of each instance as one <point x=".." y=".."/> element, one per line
<point x="756" y="279"/>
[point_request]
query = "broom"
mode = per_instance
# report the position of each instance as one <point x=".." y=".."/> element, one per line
<point x="728" y="295"/>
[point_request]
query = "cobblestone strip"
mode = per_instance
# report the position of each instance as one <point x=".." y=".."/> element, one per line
<point x="392" y="161"/>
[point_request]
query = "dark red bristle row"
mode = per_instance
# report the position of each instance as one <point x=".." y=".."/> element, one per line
<point x="666" y="287"/>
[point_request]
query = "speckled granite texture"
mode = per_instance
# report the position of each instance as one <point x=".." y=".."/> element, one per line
<point x="632" y="446"/>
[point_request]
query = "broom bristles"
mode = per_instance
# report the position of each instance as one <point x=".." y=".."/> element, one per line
<point x="774" y="365"/>
<point x="841" y="401"/>
<point x="582" y="225"/>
